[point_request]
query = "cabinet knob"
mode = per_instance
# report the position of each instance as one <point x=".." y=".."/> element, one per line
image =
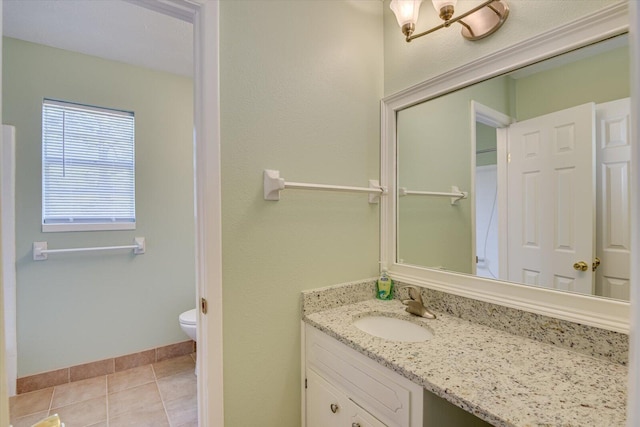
<point x="355" y="425"/>
<point x="334" y="408"/>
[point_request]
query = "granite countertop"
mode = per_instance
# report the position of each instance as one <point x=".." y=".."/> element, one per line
<point x="502" y="378"/>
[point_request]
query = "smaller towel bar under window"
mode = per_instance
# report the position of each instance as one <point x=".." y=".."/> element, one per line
<point x="273" y="184"/>
<point x="41" y="251"/>
<point x="455" y="194"/>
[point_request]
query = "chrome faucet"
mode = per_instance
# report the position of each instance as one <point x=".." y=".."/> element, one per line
<point x="415" y="305"/>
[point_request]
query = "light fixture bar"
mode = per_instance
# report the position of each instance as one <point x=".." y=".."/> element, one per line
<point x="453" y="20"/>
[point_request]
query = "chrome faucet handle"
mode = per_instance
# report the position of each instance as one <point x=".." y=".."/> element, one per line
<point x="415" y="304"/>
<point x="414" y="294"/>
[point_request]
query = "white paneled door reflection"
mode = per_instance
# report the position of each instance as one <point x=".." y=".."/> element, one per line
<point x="551" y="199"/>
<point x="568" y="200"/>
<point x="613" y="152"/>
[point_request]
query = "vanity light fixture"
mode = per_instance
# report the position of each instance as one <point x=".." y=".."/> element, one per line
<point x="479" y="22"/>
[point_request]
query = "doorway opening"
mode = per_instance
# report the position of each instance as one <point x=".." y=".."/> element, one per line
<point x="207" y="228"/>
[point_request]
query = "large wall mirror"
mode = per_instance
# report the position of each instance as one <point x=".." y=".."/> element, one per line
<point x="521" y="177"/>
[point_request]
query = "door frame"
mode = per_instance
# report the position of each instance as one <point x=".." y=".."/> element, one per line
<point x="488" y="116"/>
<point x="204" y="15"/>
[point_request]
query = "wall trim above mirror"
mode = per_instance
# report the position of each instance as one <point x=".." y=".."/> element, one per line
<point x="584" y="309"/>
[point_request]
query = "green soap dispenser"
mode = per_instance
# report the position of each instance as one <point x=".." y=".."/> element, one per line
<point x="384" y="286"/>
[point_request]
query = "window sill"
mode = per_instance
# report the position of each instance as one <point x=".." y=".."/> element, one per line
<point x="56" y="228"/>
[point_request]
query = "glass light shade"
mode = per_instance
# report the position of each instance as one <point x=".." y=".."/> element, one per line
<point x="439" y="4"/>
<point x="406" y="11"/>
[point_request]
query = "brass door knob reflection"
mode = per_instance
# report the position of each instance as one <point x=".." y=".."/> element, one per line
<point x="595" y="264"/>
<point x="581" y="266"/>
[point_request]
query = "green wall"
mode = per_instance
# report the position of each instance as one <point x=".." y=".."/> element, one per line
<point x="79" y="308"/>
<point x="301" y="83"/>
<point x="598" y="79"/>
<point x="434" y="153"/>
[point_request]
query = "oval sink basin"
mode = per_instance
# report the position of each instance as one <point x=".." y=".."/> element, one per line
<point x="393" y="329"/>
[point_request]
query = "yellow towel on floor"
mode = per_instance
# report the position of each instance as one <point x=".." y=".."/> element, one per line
<point x="52" y="421"/>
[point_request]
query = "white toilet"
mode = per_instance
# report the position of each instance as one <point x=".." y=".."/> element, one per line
<point x="188" y="323"/>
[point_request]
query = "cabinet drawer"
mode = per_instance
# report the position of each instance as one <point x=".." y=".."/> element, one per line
<point x="361" y="418"/>
<point x="383" y="393"/>
<point x="326" y="406"/>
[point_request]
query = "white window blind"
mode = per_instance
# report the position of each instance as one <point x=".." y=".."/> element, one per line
<point x="88" y="167"/>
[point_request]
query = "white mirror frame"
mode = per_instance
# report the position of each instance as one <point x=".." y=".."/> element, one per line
<point x="584" y="309"/>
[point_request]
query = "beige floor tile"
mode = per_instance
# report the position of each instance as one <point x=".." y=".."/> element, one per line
<point x="30" y="403"/>
<point x="133" y="400"/>
<point x="183" y="411"/>
<point x="79" y="391"/>
<point x="150" y="415"/>
<point x="174" y="366"/>
<point x="84" y="413"/>
<point x="130" y="398"/>
<point x="177" y="386"/>
<point x="130" y="378"/>
<point x="29" y="420"/>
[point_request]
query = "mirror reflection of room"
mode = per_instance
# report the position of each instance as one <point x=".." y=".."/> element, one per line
<point x="548" y="187"/>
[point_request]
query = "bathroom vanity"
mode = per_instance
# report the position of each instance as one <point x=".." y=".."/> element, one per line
<point x="345" y="388"/>
<point x="465" y="374"/>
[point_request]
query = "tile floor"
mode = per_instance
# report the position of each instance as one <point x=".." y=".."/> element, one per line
<point x="160" y="394"/>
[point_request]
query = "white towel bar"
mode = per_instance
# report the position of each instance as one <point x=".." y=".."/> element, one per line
<point x="273" y="184"/>
<point x="455" y="193"/>
<point x="41" y="252"/>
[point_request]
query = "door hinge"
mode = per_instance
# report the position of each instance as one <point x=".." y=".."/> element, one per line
<point x="203" y="305"/>
<point x="305" y="384"/>
<point x="509" y="158"/>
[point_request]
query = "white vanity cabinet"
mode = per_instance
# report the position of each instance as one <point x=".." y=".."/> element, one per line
<point x="346" y="388"/>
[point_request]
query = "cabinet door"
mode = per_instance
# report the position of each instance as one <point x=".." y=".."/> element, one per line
<point x="389" y="397"/>
<point x="326" y="406"/>
<point x="358" y="417"/>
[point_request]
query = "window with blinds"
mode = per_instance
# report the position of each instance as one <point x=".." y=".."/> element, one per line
<point x="88" y="168"/>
